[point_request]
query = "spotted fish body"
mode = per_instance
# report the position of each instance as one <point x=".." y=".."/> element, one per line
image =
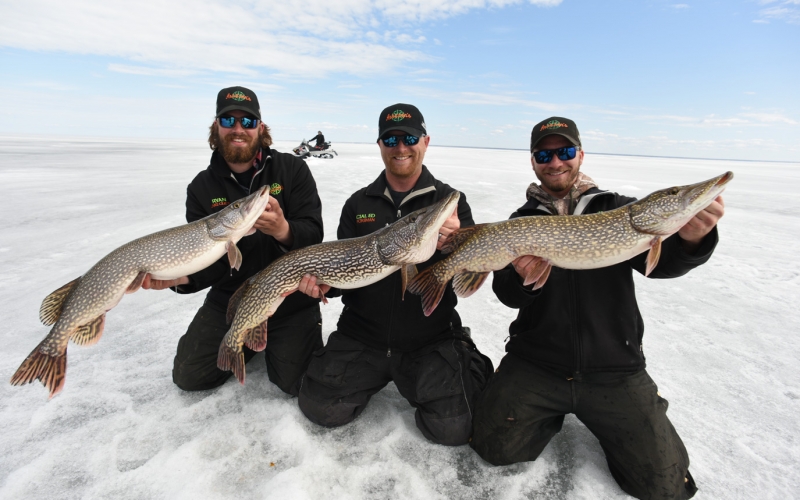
<point x="345" y="264"/>
<point x="77" y="310"/>
<point x="566" y="241"/>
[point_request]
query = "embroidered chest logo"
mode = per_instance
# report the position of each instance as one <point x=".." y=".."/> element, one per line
<point x="218" y="202"/>
<point x="362" y="218"/>
<point x="275" y="188"/>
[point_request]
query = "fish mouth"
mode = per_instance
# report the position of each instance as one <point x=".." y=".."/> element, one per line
<point x="256" y="200"/>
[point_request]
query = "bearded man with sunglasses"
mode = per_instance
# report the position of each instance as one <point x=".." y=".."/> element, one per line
<point x="241" y="163"/>
<point x="381" y="335"/>
<point x="576" y="345"/>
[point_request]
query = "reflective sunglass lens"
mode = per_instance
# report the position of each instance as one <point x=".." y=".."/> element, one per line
<point x="390" y="141"/>
<point x="393" y="140"/>
<point x="230" y="121"/>
<point x="227" y="121"/>
<point x="543" y="156"/>
<point x="410" y="140"/>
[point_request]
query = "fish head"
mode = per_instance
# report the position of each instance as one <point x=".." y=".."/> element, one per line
<point x="665" y="211"/>
<point x="237" y="219"/>
<point x="412" y="239"/>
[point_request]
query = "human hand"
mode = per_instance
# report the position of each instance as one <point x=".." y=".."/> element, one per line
<point x="308" y="285"/>
<point x="451" y="225"/>
<point x="151" y="284"/>
<point x="693" y="232"/>
<point x="273" y="223"/>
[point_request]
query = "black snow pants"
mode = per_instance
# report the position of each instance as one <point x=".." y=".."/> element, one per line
<point x="524" y="406"/>
<point x="441" y="380"/>
<point x="291" y="341"/>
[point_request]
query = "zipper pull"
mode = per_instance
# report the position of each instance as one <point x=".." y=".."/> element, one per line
<point x="389" y="353"/>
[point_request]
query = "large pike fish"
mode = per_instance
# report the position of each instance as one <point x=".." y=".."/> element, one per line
<point x="346" y="264"/>
<point x="567" y="241"/>
<point x="78" y="309"/>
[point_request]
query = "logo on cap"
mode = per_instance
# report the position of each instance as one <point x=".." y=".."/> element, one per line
<point x="553" y="124"/>
<point x="238" y="96"/>
<point x="398" y="116"/>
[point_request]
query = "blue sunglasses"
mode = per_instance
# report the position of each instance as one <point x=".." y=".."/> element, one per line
<point x="393" y="140"/>
<point x="230" y="122"/>
<point x="564" y="154"/>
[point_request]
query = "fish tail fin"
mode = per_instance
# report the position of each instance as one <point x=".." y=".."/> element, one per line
<point x="467" y="282"/>
<point x="230" y="358"/>
<point x="50" y="370"/>
<point x="256" y="337"/>
<point x="430" y="286"/>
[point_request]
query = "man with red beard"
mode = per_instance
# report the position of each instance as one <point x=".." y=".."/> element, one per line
<point x="242" y="162"/>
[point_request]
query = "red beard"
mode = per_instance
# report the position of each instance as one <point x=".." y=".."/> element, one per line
<point x="239" y="154"/>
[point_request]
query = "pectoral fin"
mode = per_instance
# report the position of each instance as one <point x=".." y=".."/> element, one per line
<point x="90" y="333"/>
<point x="407" y="273"/>
<point x="653" y="255"/>
<point x="50" y="310"/>
<point x="234" y="255"/>
<point x="543" y="278"/>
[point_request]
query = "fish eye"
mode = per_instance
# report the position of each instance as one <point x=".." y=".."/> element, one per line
<point x="674" y="191"/>
<point x="235" y="205"/>
<point x="413" y="218"/>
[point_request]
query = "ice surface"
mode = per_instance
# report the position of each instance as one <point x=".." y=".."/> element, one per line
<point x="722" y="343"/>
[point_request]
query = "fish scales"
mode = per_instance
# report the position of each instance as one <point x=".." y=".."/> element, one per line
<point x="567" y="241"/>
<point x="77" y="310"/>
<point x="346" y="264"/>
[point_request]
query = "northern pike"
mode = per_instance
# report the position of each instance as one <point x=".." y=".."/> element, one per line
<point x="77" y="310"/>
<point x="567" y="241"/>
<point x="346" y="264"/>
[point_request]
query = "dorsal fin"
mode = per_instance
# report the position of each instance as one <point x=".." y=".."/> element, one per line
<point x="50" y="310"/>
<point x="457" y="238"/>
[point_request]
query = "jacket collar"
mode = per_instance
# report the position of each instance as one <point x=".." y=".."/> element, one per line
<point x="425" y="184"/>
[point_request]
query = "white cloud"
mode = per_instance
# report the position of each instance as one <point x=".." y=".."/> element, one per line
<point x="785" y="10"/>
<point x="291" y="36"/>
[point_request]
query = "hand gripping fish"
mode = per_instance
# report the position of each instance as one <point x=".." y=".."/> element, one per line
<point x="77" y="310"/>
<point x="346" y="264"/>
<point x="567" y="241"/>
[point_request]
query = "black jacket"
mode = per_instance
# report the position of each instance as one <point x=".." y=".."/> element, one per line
<point x="588" y="320"/>
<point x="292" y="185"/>
<point x="319" y="138"/>
<point x="375" y="315"/>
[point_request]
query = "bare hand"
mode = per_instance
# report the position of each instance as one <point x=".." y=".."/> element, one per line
<point x="150" y="284"/>
<point x="693" y="232"/>
<point x="525" y="264"/>
<point x="273" y="223"/>
<point x="308" y="285"/>
<point x="452" y="224"/>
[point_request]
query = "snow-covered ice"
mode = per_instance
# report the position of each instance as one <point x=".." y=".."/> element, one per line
<point x="721" y="342"/>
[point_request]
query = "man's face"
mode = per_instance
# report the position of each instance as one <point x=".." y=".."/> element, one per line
<point x="237" y="144"/>
<point x="557" y="176"/>
<point x="404" y="161"/>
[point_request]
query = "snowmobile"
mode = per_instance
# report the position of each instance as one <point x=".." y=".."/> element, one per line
<point x="304" y="150"/>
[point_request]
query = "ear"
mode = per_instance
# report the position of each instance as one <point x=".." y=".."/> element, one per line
<point x="426" y="140"/>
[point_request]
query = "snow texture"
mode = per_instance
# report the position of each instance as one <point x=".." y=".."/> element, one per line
<point x="721" y="343"/>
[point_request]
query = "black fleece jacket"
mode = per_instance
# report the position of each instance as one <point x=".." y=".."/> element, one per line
<point x="292" y="184"/>
<point x="588" y="320"/>
<point x="375" y="315"/>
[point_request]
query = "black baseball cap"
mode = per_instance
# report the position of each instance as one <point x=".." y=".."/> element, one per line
<point x="404" y="117"/>
<point x="239" y="98"/>
<point x="555" y="125"/>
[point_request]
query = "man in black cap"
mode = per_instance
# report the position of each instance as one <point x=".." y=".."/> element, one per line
<point x="241" y="163"/>
<point x="576" y="345"/>
<point x="380" y="337"/>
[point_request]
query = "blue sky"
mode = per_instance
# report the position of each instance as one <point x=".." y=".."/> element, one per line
<point x="713" y="79"/>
